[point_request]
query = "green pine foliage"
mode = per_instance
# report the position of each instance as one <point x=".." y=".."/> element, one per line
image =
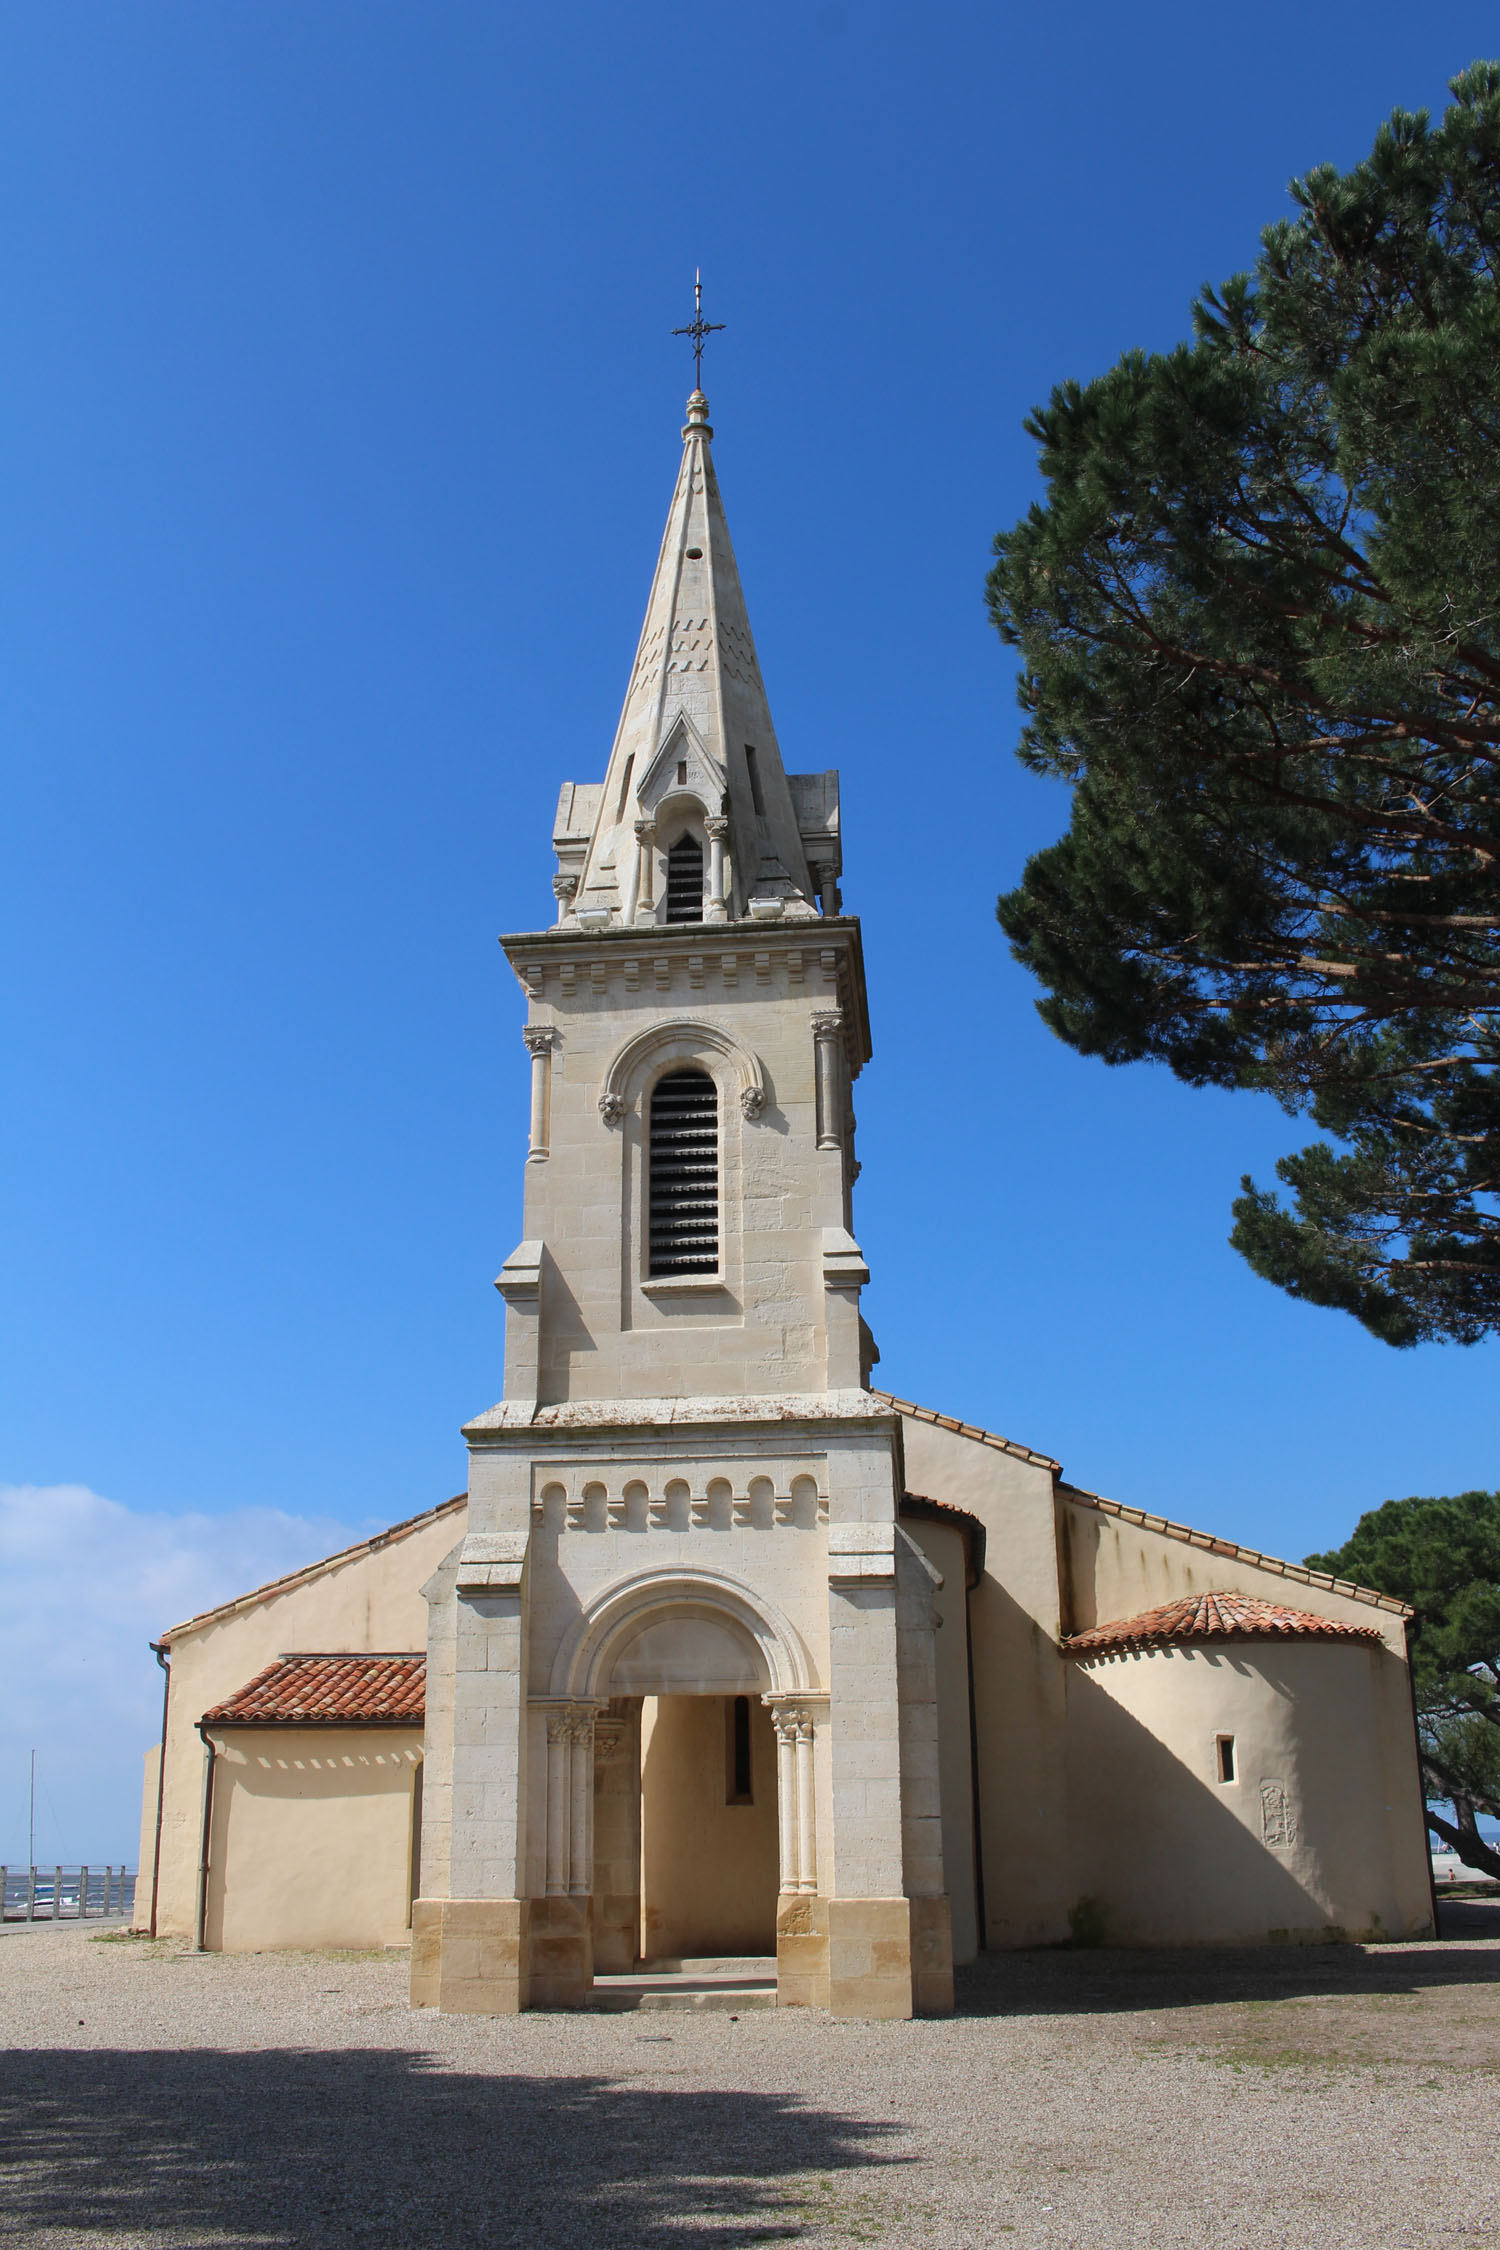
<point x="1259" y="620"/>
<point x="1443" y="1557"/>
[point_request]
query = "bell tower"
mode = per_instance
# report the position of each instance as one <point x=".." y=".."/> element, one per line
<point x="697" y="942"/>
<point x="687" y="1496"/>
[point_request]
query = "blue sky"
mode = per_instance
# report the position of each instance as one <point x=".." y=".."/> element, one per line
<point x="342" y="416"/>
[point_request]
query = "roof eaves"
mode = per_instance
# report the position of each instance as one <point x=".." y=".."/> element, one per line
<point x="309" y="1571"/>
<point x="1235" y="1552"/>
<point x="969" y="1430"/>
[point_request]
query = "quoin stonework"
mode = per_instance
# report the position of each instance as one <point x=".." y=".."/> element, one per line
<point x="726" y="1651"/>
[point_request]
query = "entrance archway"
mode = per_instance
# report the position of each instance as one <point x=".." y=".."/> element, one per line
<point x="676" y="1678"/>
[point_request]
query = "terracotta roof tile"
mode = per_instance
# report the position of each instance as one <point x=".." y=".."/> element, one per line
<point x="1214" y="1617"/>
<point x="329" y="1691"/>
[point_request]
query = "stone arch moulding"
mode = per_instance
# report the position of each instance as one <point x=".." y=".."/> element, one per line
<point x="584" y="1657"/>
<point x="689" y="1035"/>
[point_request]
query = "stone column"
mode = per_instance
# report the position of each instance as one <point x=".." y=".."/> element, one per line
<point x="559" y="1803"/>
<point x="562" y="1955"/>
<point x="807" y="1842"/>
<point x="617" y="1837"/>
<point x="540" y="1040"/>
<point x="645" y="899"/>
<point x="801" y="1915"/>
<point x="793" y="1717"/>
<point x="828" y="1028"/>
<point x="581" y="1822"/>
<point x="718" y="829"/>
<point x="786" y="1796"/>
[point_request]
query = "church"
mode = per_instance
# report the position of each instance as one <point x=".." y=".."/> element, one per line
<point x="727" y="1655"/>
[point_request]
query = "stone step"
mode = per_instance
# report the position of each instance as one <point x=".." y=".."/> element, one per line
<point x="750" y="1965"/>
<point x="620" y="1995"/>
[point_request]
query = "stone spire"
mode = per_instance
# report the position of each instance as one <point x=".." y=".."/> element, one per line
<point x="695" y="749"/>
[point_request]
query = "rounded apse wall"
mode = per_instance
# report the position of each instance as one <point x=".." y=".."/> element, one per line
<point x="1231" y="1792"/>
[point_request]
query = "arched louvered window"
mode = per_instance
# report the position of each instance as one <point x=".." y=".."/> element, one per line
<point x="685" y="1174"/>
<point x="685" y="880"/>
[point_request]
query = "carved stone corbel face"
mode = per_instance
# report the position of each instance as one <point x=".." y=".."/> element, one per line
<point x="612" y="1108"/>
<point x="753" y="1102"/>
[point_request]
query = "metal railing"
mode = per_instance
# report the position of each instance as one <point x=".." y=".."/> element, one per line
<point x="65" y="1894"/>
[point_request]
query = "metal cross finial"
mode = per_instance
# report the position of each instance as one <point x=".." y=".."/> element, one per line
<point x="699" y="329"/>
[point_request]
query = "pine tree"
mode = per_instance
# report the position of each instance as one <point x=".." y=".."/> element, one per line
<point x="1259" y="621"/>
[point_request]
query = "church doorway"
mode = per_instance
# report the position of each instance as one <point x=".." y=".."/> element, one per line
<point x="709" y="1844"/>
<point x="686" y="1844"/>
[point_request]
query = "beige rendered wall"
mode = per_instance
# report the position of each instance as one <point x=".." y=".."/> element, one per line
<point x="310" y="1842"/>
<point x="1297" y="1845"/>
<point x="371" y="1601"/>
<point x="1115" y="1568"/>
<point x="1056" y="1565"/>
<point x="709" y="1869"/>
<point x="1019" y="1688"/>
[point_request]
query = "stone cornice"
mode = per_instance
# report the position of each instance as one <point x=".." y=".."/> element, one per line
<point x="509" y="1422"/>
<point x="825" y="953"/>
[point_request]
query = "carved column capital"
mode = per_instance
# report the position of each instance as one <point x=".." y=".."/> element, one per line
<point x="645" y="831"/>
<point x="565" y="887"/>
<point x="716" y="826"/>
<point x="792" y="1716"/>
<point x="828" y="1023"/>
<point x="540" y="1038"/>
<point x="571" y="1722"/>
<point x="609" y="1739"/>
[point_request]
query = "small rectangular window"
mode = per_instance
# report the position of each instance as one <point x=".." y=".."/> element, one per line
<point x="1224" y="1743"/>
<point x="738" y="1779"/>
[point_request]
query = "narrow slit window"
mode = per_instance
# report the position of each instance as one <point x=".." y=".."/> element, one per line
<point x="757" y="795"/>
<point x="739" y="1780"/>
<point x="684" y="1159"/>
<point x="685" y="880"/>
<point x="625" y="787"/>
<point x="1224" y="1744"/>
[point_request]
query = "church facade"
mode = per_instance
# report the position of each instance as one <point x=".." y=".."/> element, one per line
<point x="725" y="1651"/>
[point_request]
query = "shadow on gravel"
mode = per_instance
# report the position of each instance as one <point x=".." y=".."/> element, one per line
<point x="1079" y="1980"/>
<point x="364" y="2146"/>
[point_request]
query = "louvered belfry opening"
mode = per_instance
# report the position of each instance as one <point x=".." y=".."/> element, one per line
<point x="685" y="880"/>
<point x="685" y="1174"/>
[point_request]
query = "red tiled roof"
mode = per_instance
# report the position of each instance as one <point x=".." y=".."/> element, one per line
<point x="1214" y="1617"/>
<point x="329" y="1691"/>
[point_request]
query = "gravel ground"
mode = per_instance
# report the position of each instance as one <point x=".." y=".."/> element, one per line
<point x="1333" y="2096"/>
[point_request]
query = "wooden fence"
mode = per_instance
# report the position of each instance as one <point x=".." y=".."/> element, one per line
<point x="66" y="1894"/>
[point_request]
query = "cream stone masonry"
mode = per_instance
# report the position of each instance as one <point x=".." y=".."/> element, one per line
<point x="727" y="1652"/>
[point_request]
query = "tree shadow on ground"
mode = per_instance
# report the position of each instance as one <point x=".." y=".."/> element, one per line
<point x="291" y="2150"/>
<point x="1105" y="1980"/>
